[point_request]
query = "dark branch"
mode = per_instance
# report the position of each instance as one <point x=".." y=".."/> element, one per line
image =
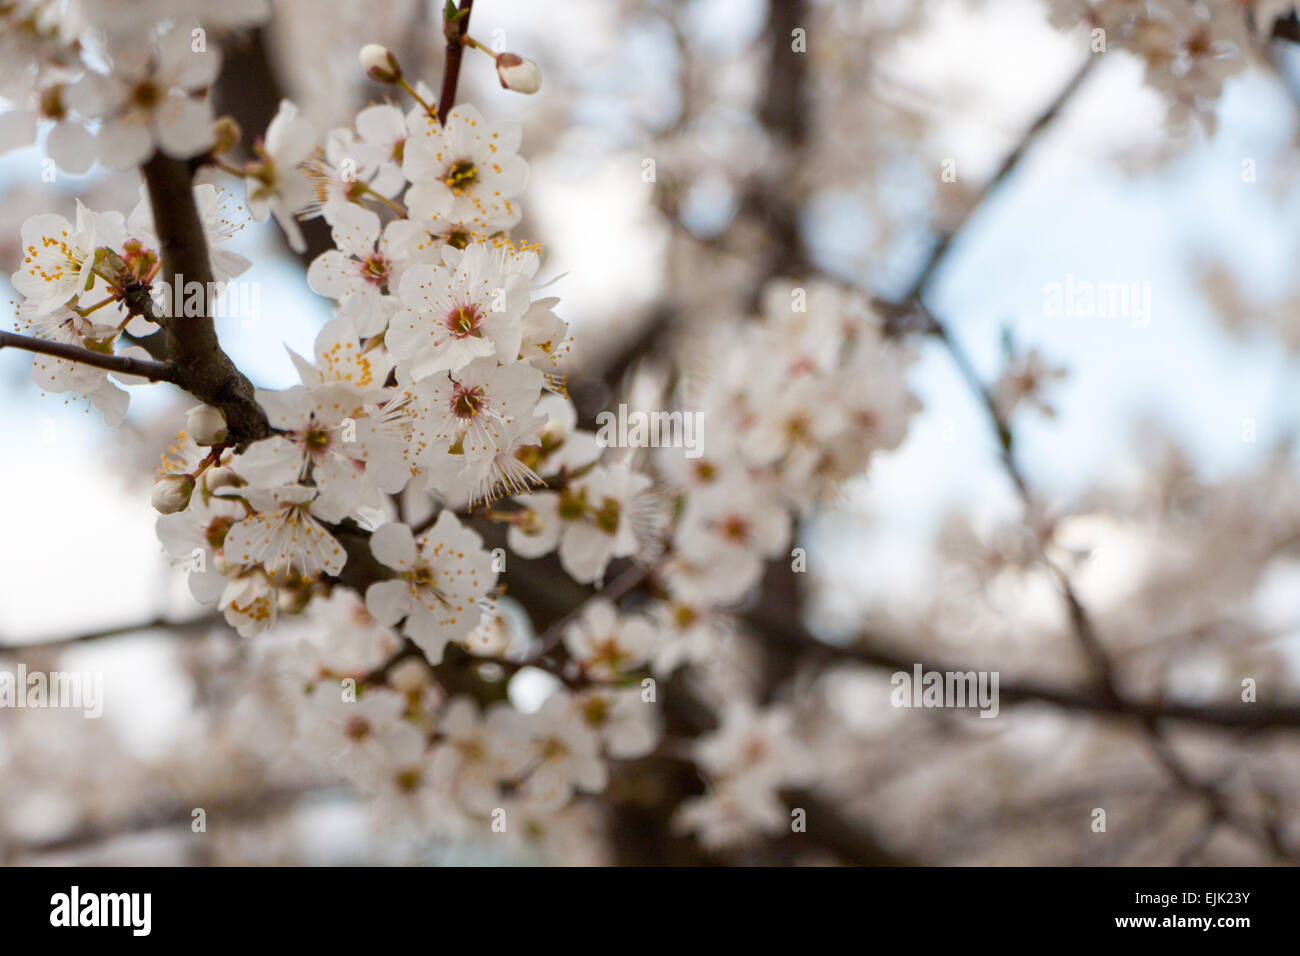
<point x="123" y="364"/>
<point x="203" y="369"/>
<point x="1254" y="716"/>
<point x="454" y="31"/>
<point x="200" y="623"/>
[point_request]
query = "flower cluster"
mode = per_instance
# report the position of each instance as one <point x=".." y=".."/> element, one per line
<point x="1188" y="49"/>
<point x="433" y="406"/>
<point x="108" y="88"/>
<point x="76" y="280"/>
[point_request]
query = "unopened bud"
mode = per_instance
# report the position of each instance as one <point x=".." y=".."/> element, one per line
<point x="226" y="134"/>
<point x="518" y="74"/>
<point x="380" y="64"/>
<point x="206" y="425"/>
<point x="214" y="479"/>
<point x="171" y="493"/>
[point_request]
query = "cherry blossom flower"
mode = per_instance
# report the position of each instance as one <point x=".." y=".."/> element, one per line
<point x="468" y="168"/>
<point x="249" y="604"/>
<point x="607" y="644"/>
<point x="58" y="257"/>
<point x="731" y="815"/>
<point x="733" y="526"/>
<point x="143" y="103"/>
<point x="283" y="535"/>
<point x="367" y="260"/>
<point x="277" y="184"/>
<point x="220" y="225"/>
<point x="195" y="537"/>
<point x="629" y="726"/>
<point x="315" y="444"/>
<point x="565" y="752"/>
<point x="342" y="359"/>
<point x="590" y="522"/>
<point x="476" y="753"/>
<point x="457" y="311"/>
<point x="442" y="575"/>
<point x="346" y="170"/>
<point x="363" y="737"/>
<point x="473" y="412"/>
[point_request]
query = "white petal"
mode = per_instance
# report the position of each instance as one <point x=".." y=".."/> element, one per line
<point x="393" y="545"/>
<point x="72" y="147"/>
<point x="184" y="126"/>
<point x="388" y="601"/>
<point x="125" y="142"/>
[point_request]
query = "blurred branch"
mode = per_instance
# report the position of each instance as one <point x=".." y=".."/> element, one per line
<point x="828" y="828"/>
<point x="1287" y="28"/>
<point x="247" y="808"/>
<point x="869" y="652"/>
<point x="897" y="312"/>
<point x="202" y="622"/>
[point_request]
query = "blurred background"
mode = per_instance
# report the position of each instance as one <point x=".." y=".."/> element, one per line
<point x="1157" y="443"/>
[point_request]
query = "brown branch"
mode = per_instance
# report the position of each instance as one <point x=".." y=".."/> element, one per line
<point x="1009" y="164"/>
<point x="122" y="364"/>
<point x="1287" y="28"/>
<point x="869" y="652"/>
<point x="628" y="581"/>
<point x="220" y="811"/>
<point x="454" y="32"/>
<point x="201" y="622"/>
<point x="203" y="369"/>
<point x="827" y="827"/>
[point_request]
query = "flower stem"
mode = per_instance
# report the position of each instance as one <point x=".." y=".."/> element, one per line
<point x="428" y="108"/>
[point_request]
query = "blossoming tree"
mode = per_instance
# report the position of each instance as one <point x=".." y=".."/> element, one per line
<point x="486" y="618"/>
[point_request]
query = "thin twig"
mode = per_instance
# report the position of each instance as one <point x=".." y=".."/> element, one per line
<point x="122" y="364"/>
<point x="624" y="584"/>
<point x="156" y="624"/>
<point x="940" y="250"/>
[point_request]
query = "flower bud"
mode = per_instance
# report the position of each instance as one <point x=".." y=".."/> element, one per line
<point x="171" y="493"/>
<point x="518" y="74"/>
<point x="380" y="64"/>
<point x="214" y="479"/>
<point x="225" y="134"/>
<point x="206" y="425"/>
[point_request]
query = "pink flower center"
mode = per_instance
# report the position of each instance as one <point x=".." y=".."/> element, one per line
<point x="464" y="321"/>
<point x="466" y="402"/>
<point x="734" y="527"/>
<point x="375" y="269"/>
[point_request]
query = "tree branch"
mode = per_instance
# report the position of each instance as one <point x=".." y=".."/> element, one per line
<point x="202" y="622"/>
<point x="122" y="364"/>
<point x="451" y="66"/>
<point x="1012" y="160"/>
<point x="203" y="369"/>
<point x="869" y="653"/>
